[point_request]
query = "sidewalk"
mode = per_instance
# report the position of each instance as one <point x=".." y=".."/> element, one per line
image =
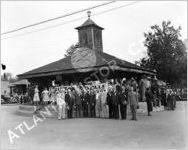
<point x="143" y="108"/>
<point x="163" y="130"/>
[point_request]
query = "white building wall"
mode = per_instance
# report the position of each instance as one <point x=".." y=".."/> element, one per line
<point x="5" y="89"/>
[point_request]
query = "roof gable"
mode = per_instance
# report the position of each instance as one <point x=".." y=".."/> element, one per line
<point x="65" y="64"/>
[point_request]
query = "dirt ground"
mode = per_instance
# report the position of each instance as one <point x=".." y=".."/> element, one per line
<point x="162" y="130"/>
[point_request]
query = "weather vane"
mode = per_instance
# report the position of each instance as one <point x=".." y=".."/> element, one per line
<point x="88" y="14"/>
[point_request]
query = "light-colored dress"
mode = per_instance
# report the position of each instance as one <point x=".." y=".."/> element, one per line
<point x="98" y="105"/>
<point x="133" y="99"/>
<point x="36" y="95"/>
<point x="60" y="97"/>
<point x="104" y="110"/>
<point x="45" y="95"/>
<point x="143" y="86"/>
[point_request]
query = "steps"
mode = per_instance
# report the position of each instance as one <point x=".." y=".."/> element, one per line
<point x="26" y="110"/>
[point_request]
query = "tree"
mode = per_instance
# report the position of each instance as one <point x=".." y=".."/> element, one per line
<point x="166" y="53"/>
<point x="72" y="49"/>
<point x="7" y="76"/>
<point x="3" y="66"/>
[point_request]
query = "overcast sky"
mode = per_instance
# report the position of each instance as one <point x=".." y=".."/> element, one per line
<point x="122" y="37"/>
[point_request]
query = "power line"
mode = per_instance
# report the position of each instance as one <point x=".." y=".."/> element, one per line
<point x="106" y="11"/>
<point x="115" y="8"/>
<point x="45" y="28"/>
<point x="56" y="18"/>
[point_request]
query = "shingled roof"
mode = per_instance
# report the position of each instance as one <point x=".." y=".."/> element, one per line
<point x="87" y="23"/>
<point x="20" y="82"/>
<point x="64" y="66"/>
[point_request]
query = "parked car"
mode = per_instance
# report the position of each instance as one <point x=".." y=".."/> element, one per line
<point x="183" y="97"/>
<point x="14" y="99"/>
<point x="5" y="99"/>
<point x="2" y="101"/>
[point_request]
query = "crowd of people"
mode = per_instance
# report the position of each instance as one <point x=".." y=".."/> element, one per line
<point x="106" y="100"/>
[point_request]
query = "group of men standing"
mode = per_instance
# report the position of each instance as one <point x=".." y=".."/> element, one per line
<point x="169" y="98"/>
<point x="102" y="103"/>
<point x="107" y="100"/>
<point x="95" y="102"/>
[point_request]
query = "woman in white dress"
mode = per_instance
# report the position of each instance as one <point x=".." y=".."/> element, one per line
<point x="45" y="96"/>
<point x="36" y="98"/>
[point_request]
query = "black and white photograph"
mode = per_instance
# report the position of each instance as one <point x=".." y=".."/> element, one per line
<point x="99" y="75"/>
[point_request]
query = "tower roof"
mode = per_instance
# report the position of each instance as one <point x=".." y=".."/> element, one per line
<point x="87" y="23"/>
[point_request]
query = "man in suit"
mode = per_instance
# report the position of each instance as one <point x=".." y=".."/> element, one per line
<point x="92" y="102"/>
<point x="164" y="98"/>
<point x="78" y="104"/>
<point x="86" y="108"/>
<point x="149" y="99"/>
<point x="123" y="102"/>
<point x="69" y="102"/>
<point x="115" y="100"/>
<point x="110" y="102"/>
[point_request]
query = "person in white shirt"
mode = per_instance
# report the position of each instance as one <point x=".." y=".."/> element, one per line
<point x="104" y="109"/>
<point x="60" y="98"/>
<point x="98" y="103"/>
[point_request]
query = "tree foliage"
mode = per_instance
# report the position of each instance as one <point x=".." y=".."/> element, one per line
<point x="71" y="49"/>
<point x="7" y="76"/>
<point x="166" y="53"/>
<point x="3" y="66"/>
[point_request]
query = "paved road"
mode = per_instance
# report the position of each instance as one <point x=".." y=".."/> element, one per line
<point x="164" y="129"/>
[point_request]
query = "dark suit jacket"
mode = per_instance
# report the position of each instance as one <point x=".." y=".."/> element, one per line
<point x="122" y="98"/>
<point x="77" y="99"/>
<point x="109" y="98"/>
<point x="86" y="98"/>
<point x="149" y="96"/>
<point x="92" y="99"/>
<point x="115" y="98"/>
<point x="68" y="100"/>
